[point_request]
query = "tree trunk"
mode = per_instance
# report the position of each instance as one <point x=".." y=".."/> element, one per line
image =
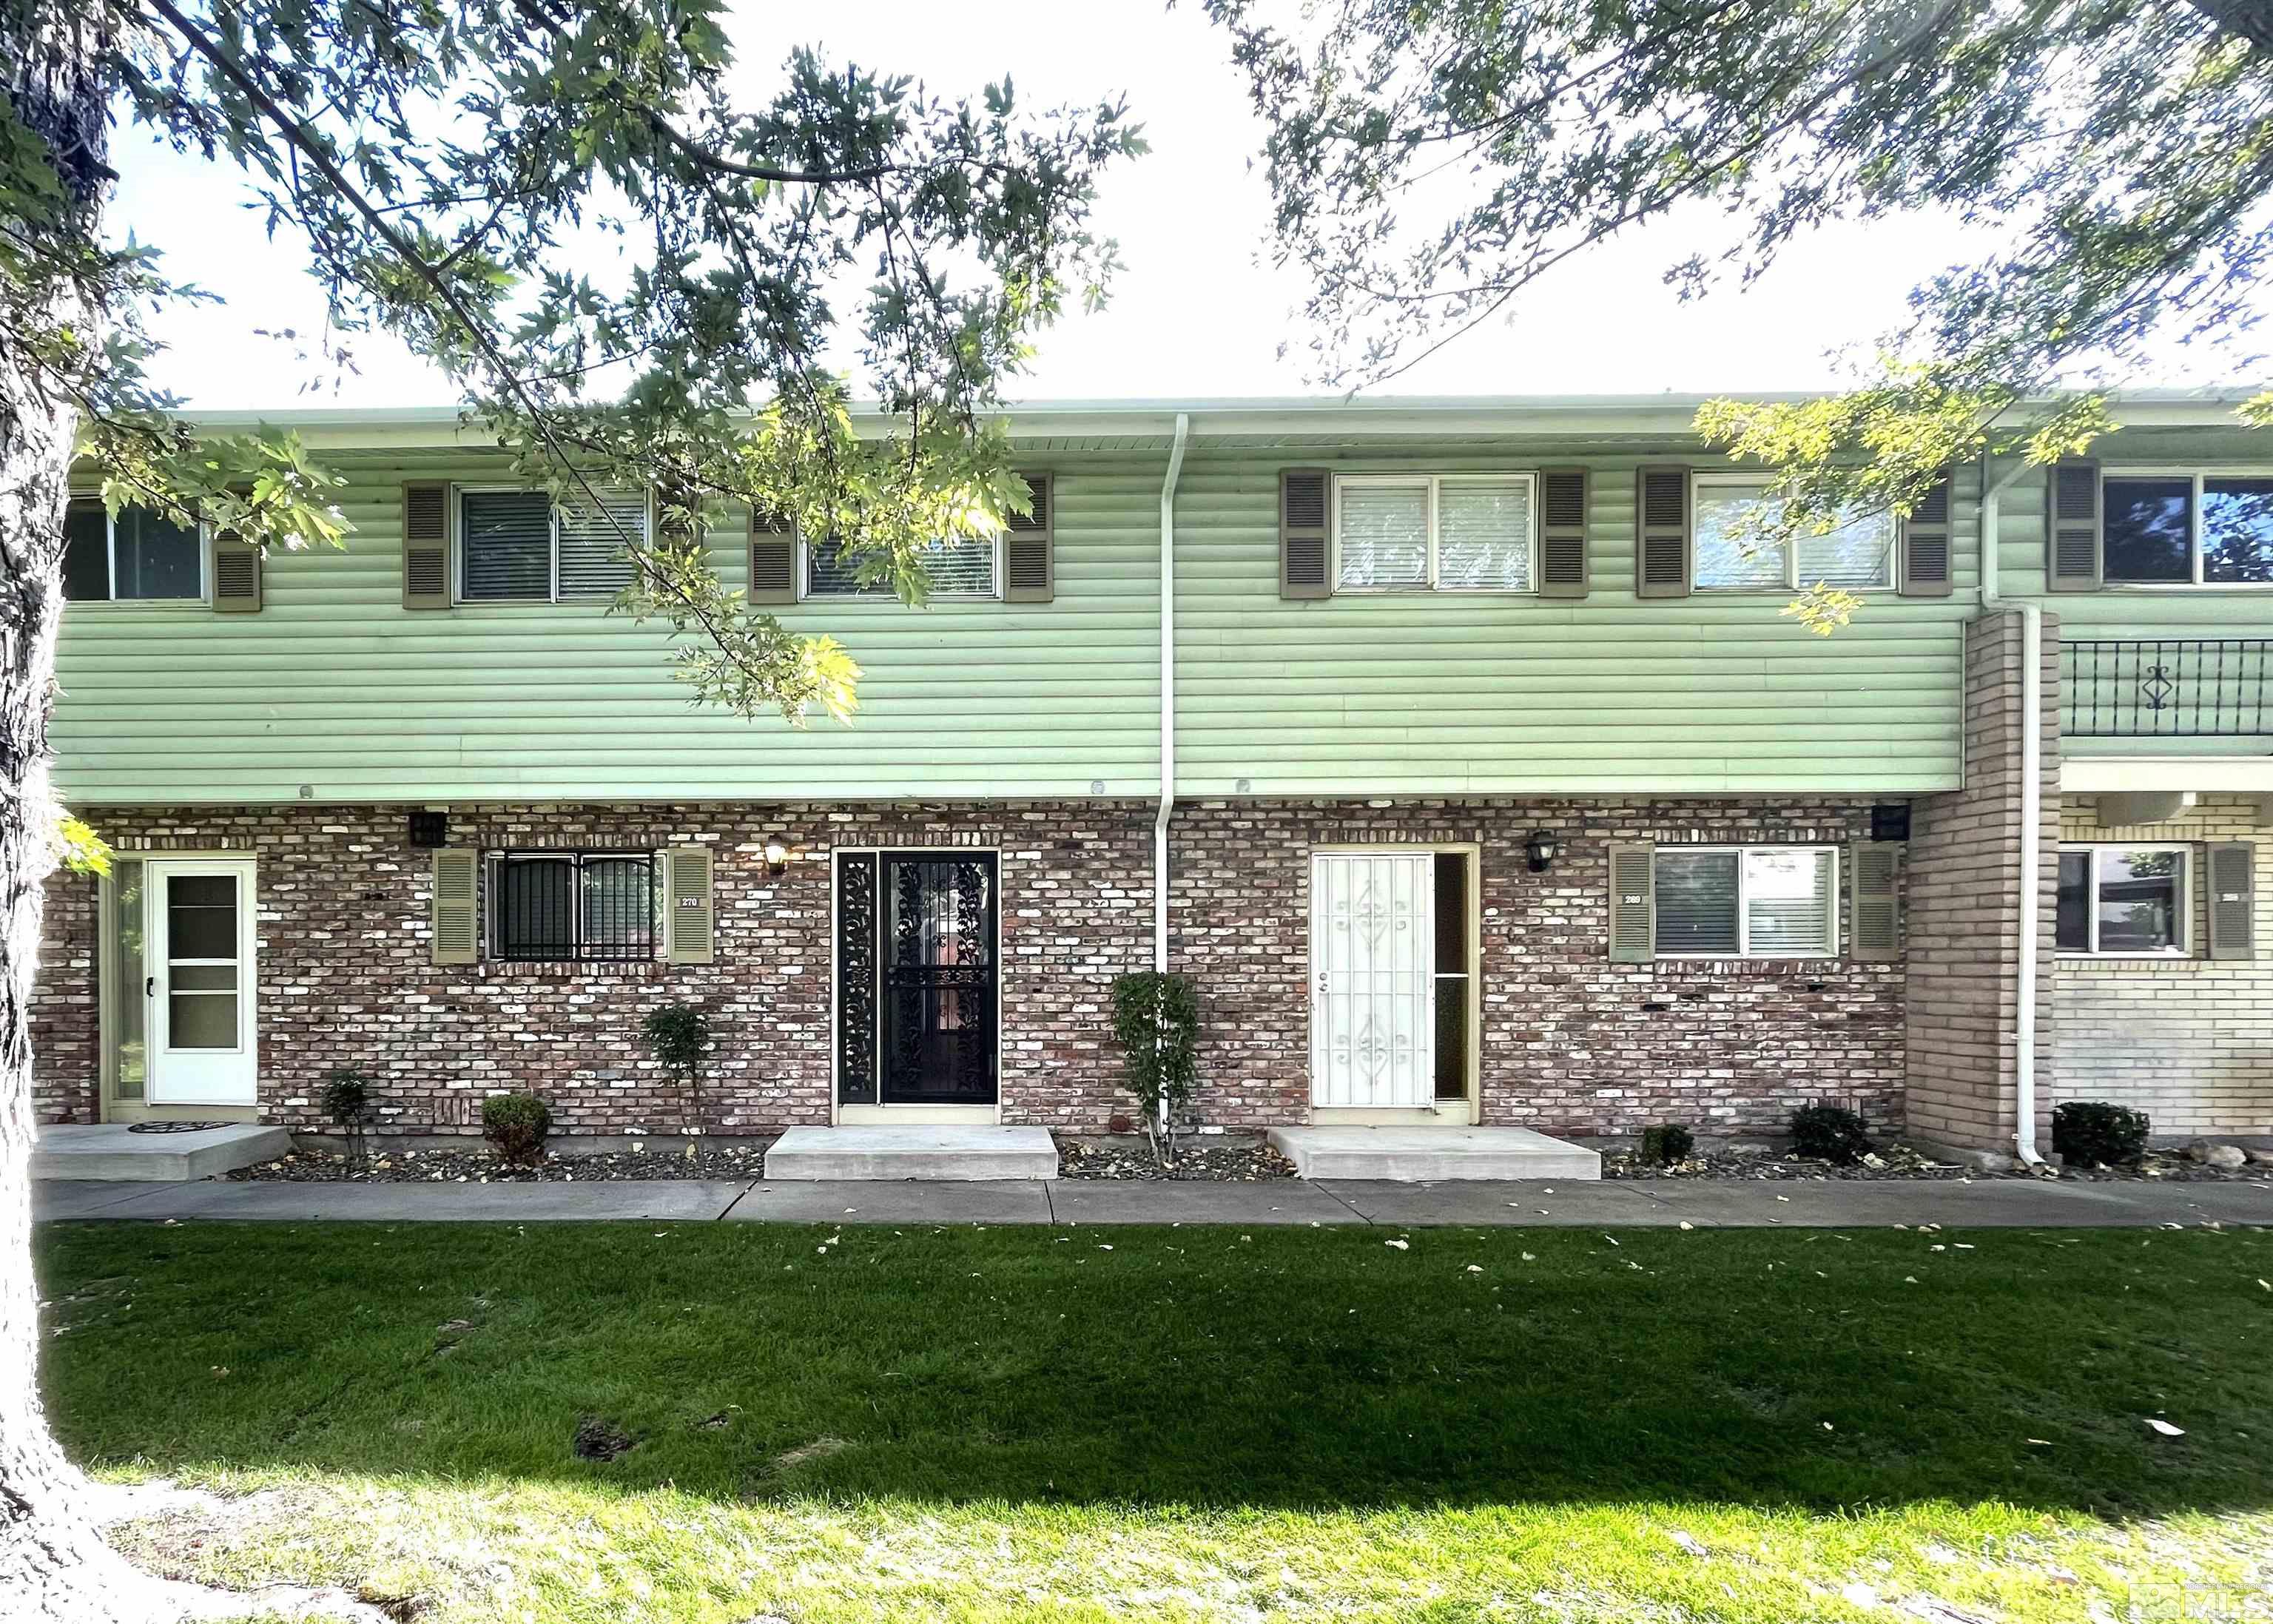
<point x="54" y="1563"/>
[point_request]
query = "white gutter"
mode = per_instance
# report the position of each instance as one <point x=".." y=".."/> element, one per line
<point x="2032" y="798"/>
<point x="1167" y="694"/>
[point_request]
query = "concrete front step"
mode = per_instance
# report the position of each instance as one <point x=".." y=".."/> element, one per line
<point x="111" y="1150"/>
<point x="1432" y="1155"/>
<point x="941" y="1153"/>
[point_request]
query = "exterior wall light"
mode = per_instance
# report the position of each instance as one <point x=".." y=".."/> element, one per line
<point x="1542" y="848"/>
<point x="776" y="857"/>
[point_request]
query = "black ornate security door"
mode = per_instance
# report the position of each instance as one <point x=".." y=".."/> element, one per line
<point x="917" y="968"/>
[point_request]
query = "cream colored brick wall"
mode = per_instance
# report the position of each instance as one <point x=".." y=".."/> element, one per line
<point x="2187" y="1041"/>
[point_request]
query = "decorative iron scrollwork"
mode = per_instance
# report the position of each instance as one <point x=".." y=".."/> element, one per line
<point x="855" y="978"/>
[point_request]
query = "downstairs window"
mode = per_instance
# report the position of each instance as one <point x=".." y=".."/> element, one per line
<point x="1747" y="902"/>
<point x="2125" y="901"/>
<point x="578" y="906"/>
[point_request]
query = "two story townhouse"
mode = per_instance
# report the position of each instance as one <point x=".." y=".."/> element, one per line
<point x="1453" y="748"/>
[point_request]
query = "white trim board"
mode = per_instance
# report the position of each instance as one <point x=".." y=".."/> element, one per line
<point x="2203" y="774"/>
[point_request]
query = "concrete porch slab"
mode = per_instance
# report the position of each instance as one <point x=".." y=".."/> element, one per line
<point x="111" y="1150"/>
<point x="1432" y="1155"/>
<point x="962" y="1154"/>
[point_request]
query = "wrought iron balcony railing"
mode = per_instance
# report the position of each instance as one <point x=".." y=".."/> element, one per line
<point x="2169" y="688"/>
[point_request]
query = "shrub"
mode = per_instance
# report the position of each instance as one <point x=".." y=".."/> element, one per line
<point x="1829" y="1133"/>
<point x="347" y="1096"/>
<point x="346" y="1101"/>
<point x="679" y="1036"/>
<point x="1156" y="1016"/>
<point x="2095" y="1134"/>
<point x="516" y="1124"/>
<point x="1666" y="1143"/>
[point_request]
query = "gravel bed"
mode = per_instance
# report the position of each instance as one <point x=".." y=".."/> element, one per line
<point x="1900" y="1161"/>
<point x="658" y="1159"/>
<point x="1210" y="1163"/>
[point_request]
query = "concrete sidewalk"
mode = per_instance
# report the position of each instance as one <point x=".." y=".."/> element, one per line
<point x="1645" y="1203"/>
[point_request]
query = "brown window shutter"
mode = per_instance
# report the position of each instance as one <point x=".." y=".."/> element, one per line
<point x="1925" y="544"/>
<point x="457" y="892"/>
<point x="690" y="932"/>
<point x="235" y="575"/>
<point x="1563" y="572"/>
<point x="426" y="546"/>
<point x="1029" y="570"/>
<point x="1302" y="549"/>
<point x="1661" y="546"/>
<point x="2071" y="534"/>
<point x="2232" y="901"/>
<point x="1633" y="904"/>
<point x="773" y="559"/>
<point x="1875" y="907"/>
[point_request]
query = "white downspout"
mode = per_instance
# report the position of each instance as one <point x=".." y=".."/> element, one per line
<point x="1167" y="694"/>
<point x="2032" y="695"/>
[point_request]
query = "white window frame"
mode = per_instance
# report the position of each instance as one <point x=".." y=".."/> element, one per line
<point x="552" y="584"/>
<point x="2185" y="949"/>
<point x="1791" y="580"/>
<point x="993" y="593"/>
<point x="111" y="563"/>
<point x="1433" y="483"/>
<point x="1744" y="915"/>
<point x="2201" y="474"/>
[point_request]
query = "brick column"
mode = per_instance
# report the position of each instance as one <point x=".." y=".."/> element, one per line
<point x="1964" y="906"/>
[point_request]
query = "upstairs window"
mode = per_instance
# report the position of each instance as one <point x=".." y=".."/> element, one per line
<point x="141" y="555"/>
<point x="2125" y="901"/>
<point x="1431" y="532"/>
<point x="2187" y="529"/>
<point x="572" y="905"/>
<point x="516" y="546"/>
<point x="1857" y="556"/>
<point x="1747" y="902"/>
<point x="961" y="568"/>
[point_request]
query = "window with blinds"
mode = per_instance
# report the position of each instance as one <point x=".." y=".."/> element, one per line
<point x="1747" y="902"/>
<point x="515" y="545"/>
<point x="1430" y="532"/>
<point x="1858" y="555"/>
<point x="960" y="568"/>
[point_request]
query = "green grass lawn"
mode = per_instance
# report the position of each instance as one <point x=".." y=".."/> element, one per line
<point x="1186" y="1424"/>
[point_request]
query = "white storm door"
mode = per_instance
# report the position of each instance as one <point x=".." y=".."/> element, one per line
<point x="198" y="937"/>
<point x="1373" y="983"/>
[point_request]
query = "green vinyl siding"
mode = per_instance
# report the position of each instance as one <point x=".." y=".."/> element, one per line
<point x="1428" y="693"/>
<point x="333" y="691"/>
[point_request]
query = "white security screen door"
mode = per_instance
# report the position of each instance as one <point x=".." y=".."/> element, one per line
<point x="1373" y="988"/>
<point x="198" y="956"/>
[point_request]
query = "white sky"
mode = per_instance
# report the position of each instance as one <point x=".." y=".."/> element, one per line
<point x="1197" y="312"/>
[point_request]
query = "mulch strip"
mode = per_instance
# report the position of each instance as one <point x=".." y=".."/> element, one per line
<point x="657" y="1158"/>
<point x="1114" y="1158"/>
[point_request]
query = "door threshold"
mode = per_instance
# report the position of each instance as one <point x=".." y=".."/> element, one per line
<point x="1390" y="1116"/>
<point x="911" y="1116"/>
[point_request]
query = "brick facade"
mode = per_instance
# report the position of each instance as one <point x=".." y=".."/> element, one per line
<point x="1964" y="905"/>
<point x="2188" y="1041"/>
<point x="1572" y="1041"/>
<point x="347" y="977"/>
